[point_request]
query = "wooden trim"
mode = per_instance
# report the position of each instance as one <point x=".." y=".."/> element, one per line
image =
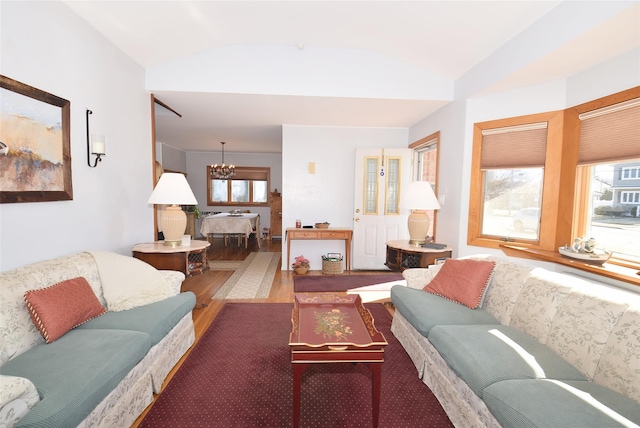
<point x="608" y="100"/>
<point x="425" y="140"/>
<point x="154" y="178"/>
<point x="167" y="107"/>
<point x="608" y="270"/>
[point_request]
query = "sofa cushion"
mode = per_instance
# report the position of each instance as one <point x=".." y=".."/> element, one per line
<point x="128" y="282"/>
<point x="581" y="328"/>
<point x="76" y="372"/>
<point x="462" y="281"/>
<point x="156" y="319"/>
<point x="57" y="309"/>
<point x="619" y="366"/>
<point x="559" y="404"/>
<point x="504" y="289"/>
<point x="425" y="310"/>
<point x="484" y="354"/>
<point x="539" y="300"/>
<point x="18" y="333"/>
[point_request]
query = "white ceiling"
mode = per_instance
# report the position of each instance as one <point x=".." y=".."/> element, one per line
<point x="443" y="38"/>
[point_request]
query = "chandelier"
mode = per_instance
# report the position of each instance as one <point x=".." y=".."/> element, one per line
<point x="223" y="171"/>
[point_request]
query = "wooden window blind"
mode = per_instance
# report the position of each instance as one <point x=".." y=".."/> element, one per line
<point x="522" y="146"/>
<point x="251" y="173"/>
<point x="610" y="133"/>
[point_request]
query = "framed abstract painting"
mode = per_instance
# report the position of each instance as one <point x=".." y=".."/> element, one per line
<point x="35" y="152"/>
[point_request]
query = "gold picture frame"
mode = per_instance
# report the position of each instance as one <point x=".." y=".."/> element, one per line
<point x="35" y="144"/>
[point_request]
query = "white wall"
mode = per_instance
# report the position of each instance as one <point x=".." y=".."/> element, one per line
<point x="328" y="194"/>
<point x="46" y="45"/>
<point x="197" y="177"/>
<point x="171" y="158"/>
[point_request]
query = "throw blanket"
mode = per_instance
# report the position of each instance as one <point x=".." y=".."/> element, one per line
<point x="128" y="282"/>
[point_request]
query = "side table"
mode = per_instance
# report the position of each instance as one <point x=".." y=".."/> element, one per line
<point x="189" y="259"/>
<point x="401" y="255"/>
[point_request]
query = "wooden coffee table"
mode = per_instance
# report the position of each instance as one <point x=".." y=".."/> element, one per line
<point x="334" y="328"/>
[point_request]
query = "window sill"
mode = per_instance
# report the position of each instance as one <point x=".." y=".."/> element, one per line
<point x="608" y="270"/>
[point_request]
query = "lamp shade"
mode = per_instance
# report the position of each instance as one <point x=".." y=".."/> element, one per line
<point x="419" y="196"/>
<point x="172" y="189"/>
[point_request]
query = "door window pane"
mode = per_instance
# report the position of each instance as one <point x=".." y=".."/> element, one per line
<point x="393" y="186"/>
<point x="511" y="205"/>
<point x="371" y="186"/>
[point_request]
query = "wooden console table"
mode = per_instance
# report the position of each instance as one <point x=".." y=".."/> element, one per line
<point x="189" y="260"/>
<point x="331" y="233"/>
<point x="401" y="255"/>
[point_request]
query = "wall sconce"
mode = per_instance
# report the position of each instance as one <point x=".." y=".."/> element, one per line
<point x="95" y="145"/>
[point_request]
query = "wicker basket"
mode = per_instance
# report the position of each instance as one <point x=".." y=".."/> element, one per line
<point x="331" y="267"/>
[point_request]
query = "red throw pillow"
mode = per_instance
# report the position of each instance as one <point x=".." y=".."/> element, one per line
<point x="462" y="281"/>
<point x="57" y="309"/>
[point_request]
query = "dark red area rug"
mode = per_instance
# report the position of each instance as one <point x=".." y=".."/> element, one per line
<point x="330" y="283"/>
<point x="240" y="375"/>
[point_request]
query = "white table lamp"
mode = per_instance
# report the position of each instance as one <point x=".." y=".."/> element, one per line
<point x="419" y="198"/>
<point x="173" y="189"/>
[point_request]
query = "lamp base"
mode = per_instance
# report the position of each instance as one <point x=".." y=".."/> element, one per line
<point x="174" y="223"/>
<point x="418" y="224"/>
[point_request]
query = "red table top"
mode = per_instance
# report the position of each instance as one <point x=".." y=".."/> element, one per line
<point x="320" y="320"/>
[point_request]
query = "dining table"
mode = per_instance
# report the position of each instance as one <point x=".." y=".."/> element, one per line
<point x="228" y="224"/>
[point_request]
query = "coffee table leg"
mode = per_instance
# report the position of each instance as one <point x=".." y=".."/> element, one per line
<point x="298" y="371"/>
<point x="376" y="370"/>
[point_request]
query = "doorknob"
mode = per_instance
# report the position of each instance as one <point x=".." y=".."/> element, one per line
<point x="357" y="210"/>
<point x="357" y="219"/>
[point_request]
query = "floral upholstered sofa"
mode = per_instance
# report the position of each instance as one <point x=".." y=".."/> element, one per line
<point x="86" y="339"/>
<point x="541" y="349"/>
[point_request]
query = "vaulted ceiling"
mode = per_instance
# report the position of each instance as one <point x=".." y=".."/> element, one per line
<point x="237" y="70"/>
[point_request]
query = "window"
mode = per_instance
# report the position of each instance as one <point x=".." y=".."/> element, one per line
<point x="609" y="158"/>
<point x="629" y="197"/>
<point x="630" y="173"/>
<point x="611" y="217"/>
<point x="250" y="186"/>
<point x="425" y="167"/>
<point x="510" y="181"/>
<point x="588" y="187"/>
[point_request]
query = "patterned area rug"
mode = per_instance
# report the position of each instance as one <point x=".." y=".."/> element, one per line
<point x="252" y="280"/>
<point x="240" y="375"/>
<point x="224" y="264"/>
<point x="329" y="283"/>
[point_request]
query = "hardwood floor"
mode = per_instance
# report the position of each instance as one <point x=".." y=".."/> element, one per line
<point x="206" y="285"/>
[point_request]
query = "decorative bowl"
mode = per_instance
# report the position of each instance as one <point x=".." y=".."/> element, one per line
<point x="596" y="257"/>
<point x="301" y="270"/>
<point x="324" y="225"/>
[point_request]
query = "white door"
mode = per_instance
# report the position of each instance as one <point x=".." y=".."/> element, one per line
<point x="381" y="175"/>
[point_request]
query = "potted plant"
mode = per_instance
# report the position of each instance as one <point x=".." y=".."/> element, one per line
<point x="301" y="265"/>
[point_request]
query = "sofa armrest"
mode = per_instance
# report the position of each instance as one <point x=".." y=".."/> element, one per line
<point x="17" y="396"/>
<point x="174" y="279"/>
<point x="420" y="277"/>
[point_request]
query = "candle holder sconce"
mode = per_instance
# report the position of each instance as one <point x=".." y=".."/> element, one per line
<point x="95" y="145"/>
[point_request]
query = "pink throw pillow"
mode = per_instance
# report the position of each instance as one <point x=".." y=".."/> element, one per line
<point x="57" y="309"/>
<point x="462" y="281"/>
